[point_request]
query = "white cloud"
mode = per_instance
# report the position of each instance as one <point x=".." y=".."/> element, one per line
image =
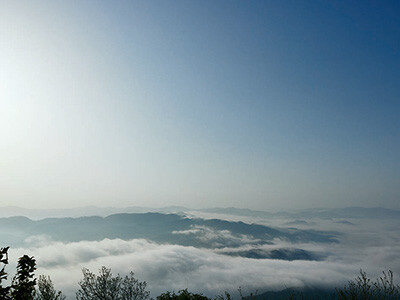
<point x="371" y="246"/>
<point x="174" y="267"/>
<point x="218" y="238"/>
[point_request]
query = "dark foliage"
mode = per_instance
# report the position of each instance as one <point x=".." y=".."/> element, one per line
<point x="4" y="291"/>
<point x="23" y="285"/>
<point x="46" y="290"/>
<point x="106" y="287"/>
<point x="182" y="295"/>
<point x="363" y="288"/>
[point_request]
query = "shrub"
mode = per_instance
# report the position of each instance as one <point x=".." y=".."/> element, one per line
<point x="106" y="287"/>
<point x="182" y="295"/>
<point x="366" y="289"/>
<point x="46" y="290"/>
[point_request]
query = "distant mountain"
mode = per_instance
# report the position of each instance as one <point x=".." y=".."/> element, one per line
<point x="237" y="212"/>
<point x="322" y="213"/>
<point x="351" y="212"/>
<point x="344" y="222"/>
<point x="284" y="254"/>
<point x="11" y="211"/>
<point x="296" y="294"/>
<point x="298" y="222"/>
<point x="161" y="228"/>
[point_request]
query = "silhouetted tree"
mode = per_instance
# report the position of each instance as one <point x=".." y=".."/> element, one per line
<point x="4" y="291"/>
<point x="182" y="295"/>
<point x="132" y="289"/>
<point x="46" y="291"/>
<point x="363" y="288"/>
<point x="225" y="296"/>
<point x="106" y="287"/>
<point x="23" y="285"/>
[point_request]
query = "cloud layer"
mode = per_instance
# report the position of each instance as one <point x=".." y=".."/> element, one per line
<point x="370" y="245"/>
<point x="174" y="267"/>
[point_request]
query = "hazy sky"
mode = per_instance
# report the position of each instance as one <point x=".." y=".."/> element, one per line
<point x="270" y="104"/>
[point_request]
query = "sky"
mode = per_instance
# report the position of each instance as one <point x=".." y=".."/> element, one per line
<point x="253" y="104"/>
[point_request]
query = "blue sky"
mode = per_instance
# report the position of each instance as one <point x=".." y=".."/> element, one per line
<point x="259" y="104"/>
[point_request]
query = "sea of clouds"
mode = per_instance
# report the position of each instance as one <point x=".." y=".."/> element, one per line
<point x="370" y="245"/>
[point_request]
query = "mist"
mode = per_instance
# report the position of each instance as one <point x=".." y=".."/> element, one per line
<point x="212" y="267"/>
